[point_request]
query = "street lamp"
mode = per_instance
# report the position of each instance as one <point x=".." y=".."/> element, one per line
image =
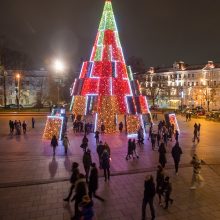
<point x="59" y="68"/>
<point x="18" y="78"/>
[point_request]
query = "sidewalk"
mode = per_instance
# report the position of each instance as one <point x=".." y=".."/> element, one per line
<point x="123" y="196"/>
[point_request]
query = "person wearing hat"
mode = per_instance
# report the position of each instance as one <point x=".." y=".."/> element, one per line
<point x="73" y="179"/>
<point x="87" y="161"/>
<point x="149" y="193"/>
<point x="86" y="205"/>
<point x="66" y="143"/>
<point x="167" y="189"/>
<point x="93" y="182"/>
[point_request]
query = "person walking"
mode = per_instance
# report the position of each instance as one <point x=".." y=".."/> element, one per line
<point x="24" y="126"/>
<point x="84" y="144"/>
<point x="33" y="122"/>
<point x="160" y="182"/>
<point x="149" y="193"/>
<point x="195" y="133"/>
<point x="73" y="179"/>
<point x="162" y="155"/>
<point x="134" y="149"/>
<point x="54" y="144"/>
<point x="130" y="150"/>
<point x="87" y="161"/>
<point x="167" y="189"/>
<point x="120" y="127"/>
<point x="66" y="143"/>
<point x="80" y="191"/>
<point x="99" y="150"/>
<point x="197" y="179"/>
<point x="97" y="137"/>
<point x="198" y="129"/>
<point x="93" y="182"/>
<point x="153" y="141"/>
<point x="106" y="164"/>
<point x="176" y="153"/>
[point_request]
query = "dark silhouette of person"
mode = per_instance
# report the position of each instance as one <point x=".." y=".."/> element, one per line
<point x="93" y="182"/>
<point x="149" y="193"/>
<point x="54" y="144"/>
<point x="73" y="179"/>
<point x="176" y="153"/>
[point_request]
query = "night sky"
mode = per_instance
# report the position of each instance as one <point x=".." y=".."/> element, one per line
<point x="159" y="31"/>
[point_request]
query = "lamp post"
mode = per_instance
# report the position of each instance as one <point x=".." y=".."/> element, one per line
<point x="18" y="78"/>
<point x="59" y="68"/>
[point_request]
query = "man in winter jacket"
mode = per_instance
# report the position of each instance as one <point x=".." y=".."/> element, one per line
<point x="176" y="153"/>
<point x="149" y="193"/>
<point x="73" y="179"/>
<point x="80" y="191"/>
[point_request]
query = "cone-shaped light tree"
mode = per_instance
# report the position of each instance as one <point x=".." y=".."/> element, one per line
<point x="105" y="88"/>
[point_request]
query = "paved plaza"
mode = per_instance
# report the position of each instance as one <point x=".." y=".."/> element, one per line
<point x="33" y="183"/>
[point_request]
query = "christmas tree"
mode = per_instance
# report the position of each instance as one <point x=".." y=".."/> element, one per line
<point x="105" y="88"/>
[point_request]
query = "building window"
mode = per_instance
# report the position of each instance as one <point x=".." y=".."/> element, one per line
<point x="188" y="75"/>
<point x="10" y="101"/>
<point x="193" y="75"/>
<point x="184" y="83"/>
<point x="188" y="83"/>
<point x="208" y="83"/>
<point x="214" y="83"/>
<point x="27" y="101"/>
<point x="27" y="83"/>
<point x="192" y="83"/>
<point x="197" y="83"/>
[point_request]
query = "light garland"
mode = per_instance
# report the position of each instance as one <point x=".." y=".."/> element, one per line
<point x="54" y="126"/>
<point x="106" y="87"/>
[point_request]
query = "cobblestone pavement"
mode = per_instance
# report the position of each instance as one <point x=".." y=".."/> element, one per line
<point x="123" y="196"/>
<point x="33" y="183"/>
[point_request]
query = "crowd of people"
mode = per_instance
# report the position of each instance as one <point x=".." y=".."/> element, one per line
<point x="17" y="127"/>
<point x="85" y="185"/>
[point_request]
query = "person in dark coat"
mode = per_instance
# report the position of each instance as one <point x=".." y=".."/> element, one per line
<point x="97" y="137"/>
<point x="149" y="193"/>
<point x="160" y="182"/>
<point x="130" y="150"/>
<point x="24" y="126"/>
<point x="80" y="191"/>
<point x="162" y="155"/>
<point x="93" y="182"/>
<point x="120" y="127"/>
<point x="54" y="143"/>
<point x="87" y="161"/>
<point x="167" y="189"/>
<point x="106" y="164"/>
<point x="99" y="150"/>
<point x="33" y="122"/>
<point x="84" y="144"/>
<point x="73" y="179"/>
<point x="176" y="153"/>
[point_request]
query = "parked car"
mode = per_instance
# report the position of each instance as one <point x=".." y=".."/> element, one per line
<point x="13" y="106"/>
